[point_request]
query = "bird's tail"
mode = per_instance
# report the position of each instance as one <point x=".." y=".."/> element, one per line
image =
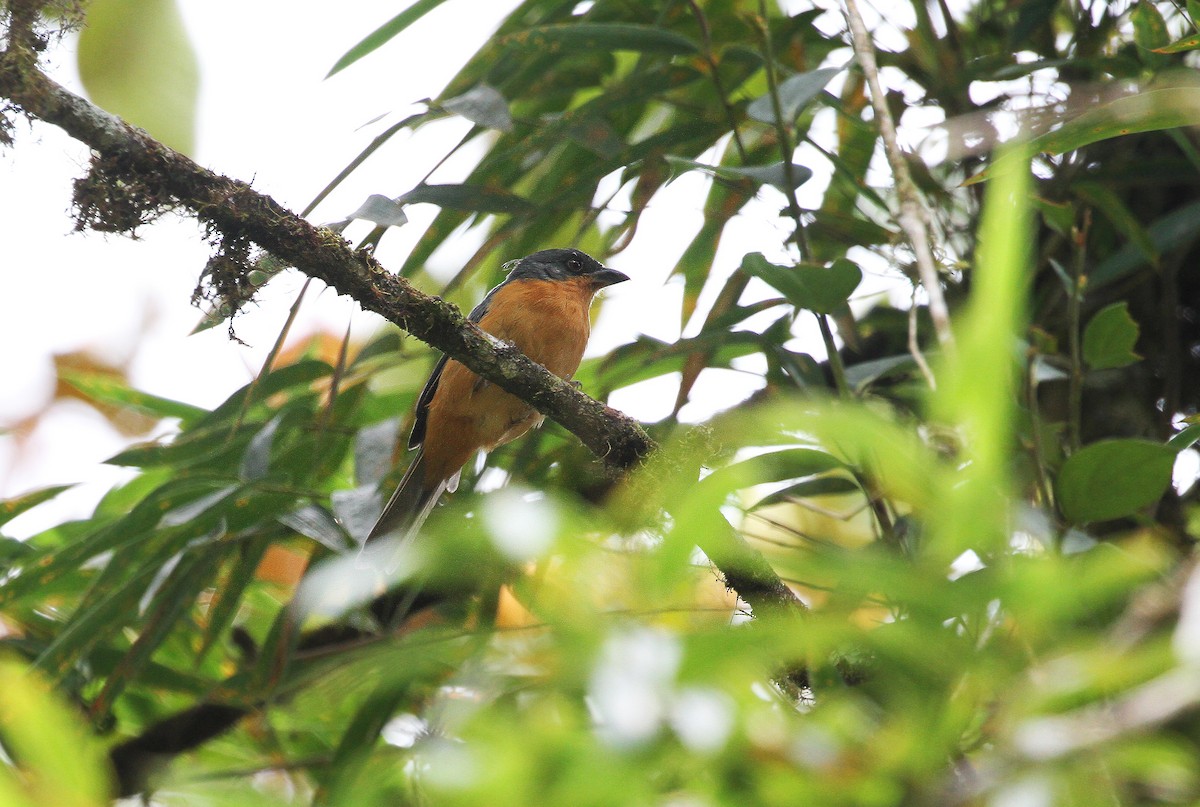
<point x="400" y="520"/>
<point x="410" y="505"/>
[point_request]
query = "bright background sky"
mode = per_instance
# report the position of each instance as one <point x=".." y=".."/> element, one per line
<point x="267" y="115"/>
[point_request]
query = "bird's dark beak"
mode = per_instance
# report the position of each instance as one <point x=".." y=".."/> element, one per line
<point x="607" y="277"/>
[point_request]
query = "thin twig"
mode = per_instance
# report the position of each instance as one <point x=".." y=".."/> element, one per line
<point x="913" y="217"/>
<point x="914" y="344"/>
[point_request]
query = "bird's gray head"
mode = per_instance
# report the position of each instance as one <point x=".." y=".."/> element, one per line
<point x="563" y="264"/>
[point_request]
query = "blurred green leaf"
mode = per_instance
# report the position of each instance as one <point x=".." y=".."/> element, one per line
<point x="1109" y="338"/>
<point x="1113" y="478"/>
<point x="1148" y="111"/>
<point x="1149" y="27"/>
<point x="809" y="488"/>
<point x="11" y="508"/>
<point x="110" y="390"/>
<point x="58" y="761"/>
<point x="978" y="377"/>
<point x="136" y="61"/>
<point x="816" y="288"/>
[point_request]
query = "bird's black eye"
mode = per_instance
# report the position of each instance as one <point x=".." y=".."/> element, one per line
<point x="574" y="264"/>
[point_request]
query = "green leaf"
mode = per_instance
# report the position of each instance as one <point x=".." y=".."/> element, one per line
<point x="1109" y="338"/>
<point x="1113" y="478"/>
<point x="176" y="596"/>
<point x="1144" y="112"/>
<point x="135" y="60"/>
<point x="816" y="288"/>
<point x="474" y="198"/>
<point x="1185" y="438"/>
<point x="104" y="388"/>
<point x="1149" y="27"/>
<point x="601" y="36"/>
<point x="775" y="174"/>
<point x="795" y="93"/>
<point x="58" y="760"/>
<point x="241" y="574"/>
<point x="11" y="508"/>
<point x="383" y="33"/>
<point x="293" y="378"/>
<point x="1180" y="45"/>
<point x="977" y="382"/>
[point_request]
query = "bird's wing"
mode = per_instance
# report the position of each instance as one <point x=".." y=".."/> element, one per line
<point x="417" y="436"/>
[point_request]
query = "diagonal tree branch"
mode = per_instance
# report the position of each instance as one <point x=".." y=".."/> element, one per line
<point x="128" y="160"/>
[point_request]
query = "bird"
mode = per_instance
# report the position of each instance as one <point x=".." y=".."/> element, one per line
<point x="542" y="308"/>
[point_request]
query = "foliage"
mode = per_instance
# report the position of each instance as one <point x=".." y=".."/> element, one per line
<point x="998" y="569"/>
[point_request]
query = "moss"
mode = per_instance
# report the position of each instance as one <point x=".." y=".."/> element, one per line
<point x="112" y="198"/>
<point x="226" y="282"/>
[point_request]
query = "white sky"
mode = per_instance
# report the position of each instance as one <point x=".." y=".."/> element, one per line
<point x="267" y="115"/>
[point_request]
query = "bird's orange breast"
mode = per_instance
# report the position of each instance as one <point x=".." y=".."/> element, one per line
<point x="548" y="321"/>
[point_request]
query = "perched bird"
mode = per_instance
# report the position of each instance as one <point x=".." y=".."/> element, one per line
<point x="541" y="308"/>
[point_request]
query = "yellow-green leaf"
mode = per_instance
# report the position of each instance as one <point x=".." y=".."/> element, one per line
<point x="135" y="60"/>
<point x="60" y="762"/>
